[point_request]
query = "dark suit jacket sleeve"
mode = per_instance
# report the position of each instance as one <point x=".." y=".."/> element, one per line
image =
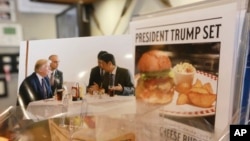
<point x="26" y="94"/>
<point x="95" y="76"/>
<point x="60" y="77"/>
<point x="123" y="77"/>
<point x="28" y="91"/>
<point x="91" y="77"/>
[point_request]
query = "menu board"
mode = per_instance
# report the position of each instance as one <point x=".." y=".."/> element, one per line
<point x="185" y="61"/>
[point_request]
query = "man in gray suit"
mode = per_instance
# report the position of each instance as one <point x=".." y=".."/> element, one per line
<point x="56" y="76"/>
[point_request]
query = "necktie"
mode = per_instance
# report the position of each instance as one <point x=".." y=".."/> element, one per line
<point x="52" y="79"/>
<point x="111" y="79"/>
<point x="102" y="77"/>
<point x="44" y="89"/>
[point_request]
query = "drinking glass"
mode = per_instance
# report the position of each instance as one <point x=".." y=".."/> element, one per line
<point x="110" y="91"/>
<point x="101" y="92"/>
<point x="111" y="85"/>
<point x="76" y="123"/>
<point x="65" y="104"/>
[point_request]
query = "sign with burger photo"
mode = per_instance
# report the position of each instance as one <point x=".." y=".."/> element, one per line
<point x="185" y="66"/>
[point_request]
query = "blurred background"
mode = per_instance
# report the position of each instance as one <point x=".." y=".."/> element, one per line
<point x="50" y="19"/>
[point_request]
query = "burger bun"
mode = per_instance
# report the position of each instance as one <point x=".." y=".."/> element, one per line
<point x="154" y="60"/>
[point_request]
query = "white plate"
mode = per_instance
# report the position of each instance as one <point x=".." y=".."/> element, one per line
<point x="188" y="110"/>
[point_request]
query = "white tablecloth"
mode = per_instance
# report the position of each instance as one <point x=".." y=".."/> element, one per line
<point x="106" y="105"/>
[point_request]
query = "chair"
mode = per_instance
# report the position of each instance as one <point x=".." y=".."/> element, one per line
<point x="26" y="95"/>
<point x="5" y="115"/>
<point x="8" y="123"/>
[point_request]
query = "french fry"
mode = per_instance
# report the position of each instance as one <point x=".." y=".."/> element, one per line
<point x="199" y="90"/>
<point x="182" y="99"/>
<point x="201" y="95"/>
<point x="208" y="87"/>
<point x="201" y="100"/>
<point x="197" y="83"/>
<point x="183" y="87"/>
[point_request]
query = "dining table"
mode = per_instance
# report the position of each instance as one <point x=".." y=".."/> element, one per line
<point x="94" y="105"/>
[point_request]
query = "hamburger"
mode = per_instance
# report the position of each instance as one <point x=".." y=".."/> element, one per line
<point x="155" y="84"/>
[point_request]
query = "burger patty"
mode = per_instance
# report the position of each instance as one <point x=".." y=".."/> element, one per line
<point x="162" y="84"/>
<point x="158" y="90"/>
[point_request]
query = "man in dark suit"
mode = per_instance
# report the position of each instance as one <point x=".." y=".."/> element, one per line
<point x="55" y="75"/>
<point x="36" y="86"/>
<point x="96" y="74"/>
<point x="122" y="84"/>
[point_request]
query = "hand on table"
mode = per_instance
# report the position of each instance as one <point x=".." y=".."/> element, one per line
<point x="92" y="88"/>
<point x="117" y="88"/>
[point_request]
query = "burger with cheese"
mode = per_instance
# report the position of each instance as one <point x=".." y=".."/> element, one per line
<point x="155" y="84"/>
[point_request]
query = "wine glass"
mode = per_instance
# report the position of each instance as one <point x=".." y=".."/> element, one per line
<point x="101" y="92"/>
<point x="84" y="108"/>
<point x="76" y="123"/>
<point x="64" y="109"/>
